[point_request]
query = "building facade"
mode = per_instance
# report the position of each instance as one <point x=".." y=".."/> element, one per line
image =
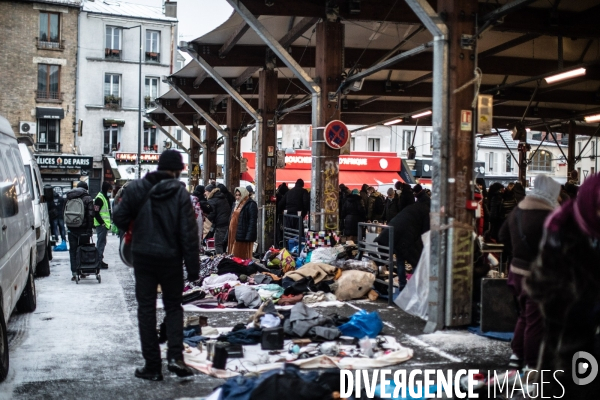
<point x="501" y="160"/>
<point x="108" y="84"/>
<point x="39" y="73"/>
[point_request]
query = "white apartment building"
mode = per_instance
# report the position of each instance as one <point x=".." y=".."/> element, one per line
<point x="108" y="83"/>
<point x="587" y="150"/>
<point x="501" y="163"/>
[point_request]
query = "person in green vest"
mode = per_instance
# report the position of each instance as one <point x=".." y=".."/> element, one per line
<point x="102" y="219"/>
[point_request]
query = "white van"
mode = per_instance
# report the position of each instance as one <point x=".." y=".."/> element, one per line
<point x="17" y="241"/>
<point x="40" y="210"/>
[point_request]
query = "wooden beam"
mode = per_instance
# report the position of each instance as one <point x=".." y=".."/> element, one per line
<point x="508" y="45"/>
<point x="210" y="155"/>
<point x="232" y="144"/>
<point x="233" y="39"/>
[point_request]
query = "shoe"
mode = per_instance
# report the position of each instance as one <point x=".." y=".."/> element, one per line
<point x="179" y="367"/>
<point x="82" y="276"/>
<point x="73" y="279"/>
<point x="514" y="362"/>
<point x="145" y="373"/>
<point x="104" y="265"/>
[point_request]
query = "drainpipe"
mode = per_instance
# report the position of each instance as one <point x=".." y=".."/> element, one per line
<point x="77" y="85"/>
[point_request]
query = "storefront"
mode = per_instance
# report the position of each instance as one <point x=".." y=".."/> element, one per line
<point x="63" y="170"/>
<point x="380" y="170"/>
<point x="126" y="166"/>
<point x="423" y="171"/>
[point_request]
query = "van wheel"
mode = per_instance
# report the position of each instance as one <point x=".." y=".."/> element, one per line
<point x="49" y="251"/>
<point x="27" y="302"/>
<point x="43" y="267"/>
<point x="3" y="348"/>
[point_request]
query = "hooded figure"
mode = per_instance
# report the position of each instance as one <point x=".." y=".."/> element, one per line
<point x="352" y="213"/>
<point x="521" y="235"/>
<point x="519" y="192"/>
<point x="364" y="195"/>
<point x="219" y="218"/>
<point x="496" y="215"/>
<point x="406" y="197"/>
<point x="227" y="193"/>
<point x="243" y="227"/>
<point x="565" y="283"/>
<point x="297" y="200"/>
<point x="375" y="205"/>
<point x="164" y="237"/>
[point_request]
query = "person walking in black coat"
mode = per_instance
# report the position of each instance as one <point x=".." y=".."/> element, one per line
<point x="353" y="212"/>
<point x="297" y="200"/>
<point x="406" y="197"/>
<point x="522" y="233"/>
<point x="281" y="191"/>
<point x="164" y="235"/>
<point x="392" y="207"/>
<point x="219" y="217"/>
<point x="408" y="226"/>
<point x="364" y="195"/>
<point x="496" y="207"/>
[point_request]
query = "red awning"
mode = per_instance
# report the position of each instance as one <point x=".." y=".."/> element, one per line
<point x="352" y="179"/>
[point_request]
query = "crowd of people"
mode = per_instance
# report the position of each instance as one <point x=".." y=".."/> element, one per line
<point x="551" y="236"/>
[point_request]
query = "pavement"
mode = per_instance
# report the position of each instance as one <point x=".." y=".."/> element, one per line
<point x="82" y="341"/>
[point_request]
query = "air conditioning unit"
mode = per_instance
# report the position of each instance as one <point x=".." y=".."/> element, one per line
<point x="27" y="128"/>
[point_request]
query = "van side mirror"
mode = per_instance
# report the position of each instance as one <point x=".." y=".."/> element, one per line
<point x="9" y="203"/>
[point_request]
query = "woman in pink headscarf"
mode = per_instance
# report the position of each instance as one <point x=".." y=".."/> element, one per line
<point x="565" y="282"/>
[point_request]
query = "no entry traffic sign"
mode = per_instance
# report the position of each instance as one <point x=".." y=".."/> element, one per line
<point x="336" y="134"/>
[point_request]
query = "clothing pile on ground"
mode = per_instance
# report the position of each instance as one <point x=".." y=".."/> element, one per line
<point x="322" y="275"/>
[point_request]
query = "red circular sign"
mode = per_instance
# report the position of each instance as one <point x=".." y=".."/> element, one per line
<point x="336" y="134"/>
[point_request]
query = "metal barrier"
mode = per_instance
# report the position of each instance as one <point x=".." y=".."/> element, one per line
<point x="292" y="229"/>
<point x="378" y="253"/>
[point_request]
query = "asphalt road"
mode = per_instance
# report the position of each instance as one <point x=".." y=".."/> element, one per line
<point x="82" y="341"/>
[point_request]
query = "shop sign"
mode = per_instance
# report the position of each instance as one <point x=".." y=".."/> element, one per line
<point x="64" y="162"/>
<point x="132" y="157"/>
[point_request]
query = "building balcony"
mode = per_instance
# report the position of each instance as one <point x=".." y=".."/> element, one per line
<point x="112" y="54"/>
<point x="48" y="147"/>
<point x="47" y="96"/>
<point x="50" y="45"/>
<point x="152" y="57"/>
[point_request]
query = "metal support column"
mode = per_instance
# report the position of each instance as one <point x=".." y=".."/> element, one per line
<point x="211" y="154"/>
<point x="324" y="193"/>
<point x="571" y="151"/>
<point x="232" y="145"/>
<point x="266" y="146"/>
<point x="523" y="163"/>
<point x="459" y="277"/>
<point x="439" y="199"/>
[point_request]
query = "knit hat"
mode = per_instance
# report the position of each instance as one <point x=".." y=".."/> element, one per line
<point x="170" y="160"/>
<point x="199" y="191"/>
<point x="417" y="189"/>
<point x="249" y="189"/>
<point x="299" y="183"/>
<point x="82" y="185"/>
<point x="209" y="188"/>
<point x="546" y="189"/>
<point x="355" y="191"/>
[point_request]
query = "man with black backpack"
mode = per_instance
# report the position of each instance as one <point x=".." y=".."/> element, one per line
<point x="78" y="217"/>
<point x="164" y="234"/>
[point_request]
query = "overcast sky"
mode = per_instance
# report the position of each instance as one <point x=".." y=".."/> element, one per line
<point x="196" y="17"/>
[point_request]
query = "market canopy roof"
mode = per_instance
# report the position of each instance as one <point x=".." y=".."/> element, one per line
<point x="524" y="41"/>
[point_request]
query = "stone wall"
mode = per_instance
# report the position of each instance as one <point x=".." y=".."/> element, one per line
<point x="19" y="29"/>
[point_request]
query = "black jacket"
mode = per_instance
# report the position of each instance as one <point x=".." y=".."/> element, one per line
<point x="353" y="212"/>
<point x="247" y="230"/>
<point x="165" y="230"/>
<point x="88" y="202"/>
<point x="409" y="225"/>
<point x="297" y="199"/>
<point x="230" y="197"/>
<point x="406" y="198"/>
<point x="523" y="229"/>
<point x="392" y="207"/>
<point x="221" y="211"/>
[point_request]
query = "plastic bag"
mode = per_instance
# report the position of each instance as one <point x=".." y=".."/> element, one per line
<point x="326" y="254"/>
<point x="362" y="324"/>
<point x="413" y="299"/>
